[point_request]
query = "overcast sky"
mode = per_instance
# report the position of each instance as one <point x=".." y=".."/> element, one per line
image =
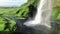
<point x="9" y="3"/>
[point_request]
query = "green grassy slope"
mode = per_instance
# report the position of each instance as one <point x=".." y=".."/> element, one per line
<point x="24" y="9"/>
<point x="11" y="12"/>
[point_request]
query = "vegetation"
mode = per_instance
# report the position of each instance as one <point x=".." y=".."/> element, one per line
<point x="23" y="11"/>
<point x="19" y="13"/>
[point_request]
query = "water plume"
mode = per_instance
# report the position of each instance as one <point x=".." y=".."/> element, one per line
<point x="42" y="20"/>
<point x="43" y="14"/>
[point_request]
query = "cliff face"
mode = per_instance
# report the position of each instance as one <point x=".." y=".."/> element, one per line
<point x="56" y="3"/>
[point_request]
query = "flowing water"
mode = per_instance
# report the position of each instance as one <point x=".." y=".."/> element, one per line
<point x="43" y="14"/>
<point x="41" y="21"/>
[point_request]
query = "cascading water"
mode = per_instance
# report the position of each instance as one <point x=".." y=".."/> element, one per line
<point x="41" y="22"/>
<point x="43" y="14"/>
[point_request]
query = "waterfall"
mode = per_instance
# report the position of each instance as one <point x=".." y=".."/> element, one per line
<point x="43" y="14"/>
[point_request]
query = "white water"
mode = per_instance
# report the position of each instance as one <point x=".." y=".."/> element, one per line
<point x="43" y="14"/>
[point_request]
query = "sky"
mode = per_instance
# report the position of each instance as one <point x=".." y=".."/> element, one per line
<point x="10" y="3"/>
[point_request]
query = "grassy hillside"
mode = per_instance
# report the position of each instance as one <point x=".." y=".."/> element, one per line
<point x="24" y="10"/>
<point x="13" y="12"/>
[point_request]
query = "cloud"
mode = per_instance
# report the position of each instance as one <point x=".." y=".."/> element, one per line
<point x="9" y="3"/>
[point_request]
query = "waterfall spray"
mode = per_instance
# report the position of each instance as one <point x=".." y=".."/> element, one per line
<point x="42" y="16"/>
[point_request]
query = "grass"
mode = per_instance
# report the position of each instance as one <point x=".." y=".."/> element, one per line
<point x="12" y="13"/>
<point x="56" y="13"/>
<point x="8" y="11"/>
